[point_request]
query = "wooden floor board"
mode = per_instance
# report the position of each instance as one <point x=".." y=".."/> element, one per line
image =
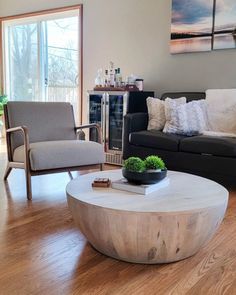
<point x="43" y="253"/>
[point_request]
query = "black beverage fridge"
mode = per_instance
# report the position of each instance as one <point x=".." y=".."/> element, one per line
<point x="107" y="108"/>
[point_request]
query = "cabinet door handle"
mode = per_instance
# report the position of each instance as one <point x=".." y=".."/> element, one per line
<point x="103" y="117"/>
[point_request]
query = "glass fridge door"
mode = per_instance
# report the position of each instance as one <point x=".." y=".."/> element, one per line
<point x="115" y="107"/>
<point x="96" y="105"/>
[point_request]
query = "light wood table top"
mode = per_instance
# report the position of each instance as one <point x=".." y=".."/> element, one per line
<point x="185" y="193"/>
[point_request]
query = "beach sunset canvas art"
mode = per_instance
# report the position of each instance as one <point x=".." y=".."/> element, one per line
<point x="225" y="24"/>
<point x="191" y="29"/>
<point x="200" y="25"/>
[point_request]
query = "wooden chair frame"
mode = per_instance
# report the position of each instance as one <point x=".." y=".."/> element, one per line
<point x="26" y="164"/>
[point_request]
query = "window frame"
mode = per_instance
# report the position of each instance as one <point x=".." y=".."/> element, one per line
<point x="42" y="13"/>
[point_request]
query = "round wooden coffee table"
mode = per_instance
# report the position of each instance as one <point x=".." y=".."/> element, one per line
<point x="168" y="225"/>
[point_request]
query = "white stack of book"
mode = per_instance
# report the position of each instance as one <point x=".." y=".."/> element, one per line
<point x="124" y="185"/>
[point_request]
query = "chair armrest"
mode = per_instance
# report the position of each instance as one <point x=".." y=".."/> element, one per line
<point x="25" y="133"/>
<point x="24" y="129"/>
<point x="89" y="126"/>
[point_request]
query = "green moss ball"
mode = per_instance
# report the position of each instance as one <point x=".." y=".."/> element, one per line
<point x="135" y="164"/>
<point x="154" y="162"/>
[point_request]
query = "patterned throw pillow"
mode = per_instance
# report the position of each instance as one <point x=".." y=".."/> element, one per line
<point x="187" y="119"/>
<point x="170" y="106"/>
<point x="156" y="113"/>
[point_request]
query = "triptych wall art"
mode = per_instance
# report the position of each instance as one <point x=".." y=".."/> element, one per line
<point x="203" y="25"/>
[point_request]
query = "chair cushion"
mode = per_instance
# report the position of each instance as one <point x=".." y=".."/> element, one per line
<point x="156" y="139"/>
<point x="61" y="154"/>
<point x="218" y="146"/>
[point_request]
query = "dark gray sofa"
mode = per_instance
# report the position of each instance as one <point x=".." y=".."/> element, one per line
<point x="211" y="157"/>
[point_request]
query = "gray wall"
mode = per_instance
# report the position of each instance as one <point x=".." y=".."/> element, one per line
<point x="135" y="35"/>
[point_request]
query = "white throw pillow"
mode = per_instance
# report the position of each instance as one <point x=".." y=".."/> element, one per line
<point x="187" y="119"/>
<point x="170" y="106"/>
<point x="221" y="106"/>
<point x="156" y="113"/>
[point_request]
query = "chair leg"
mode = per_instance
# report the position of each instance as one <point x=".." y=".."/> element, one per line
<point x="70" y="174"/>
<point x="7" y="172"/>
<point x="28" y="184"/>
<point x="101" y="167"/>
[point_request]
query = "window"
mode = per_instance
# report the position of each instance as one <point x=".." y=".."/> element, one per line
<point x="42" y="58"/>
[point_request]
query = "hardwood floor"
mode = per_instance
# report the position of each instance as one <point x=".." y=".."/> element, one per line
<point x="41" y="251"/>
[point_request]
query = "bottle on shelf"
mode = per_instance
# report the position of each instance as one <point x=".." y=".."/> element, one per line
<point x="119" y="78"/>
<point x="110" y="78"/>
<point x="99" y="81"/>
<point x="106" y="80"/>
<point x="112" y="74"/>
<point x="115" y="78"/>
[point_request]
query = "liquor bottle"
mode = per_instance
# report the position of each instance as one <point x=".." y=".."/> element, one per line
<point x="99" y="81"/>
<point x="107" y="80"/>
<point x="112" y="74"/>
<point x="119" y="78"/>
<point x="116" y="78"/>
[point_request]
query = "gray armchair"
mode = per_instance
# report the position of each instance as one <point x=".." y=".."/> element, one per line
<point x="42" y="138"/>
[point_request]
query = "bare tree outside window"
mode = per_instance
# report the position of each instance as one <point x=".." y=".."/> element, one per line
<point x="23" y="62"/>
<point x="44" y="68"/>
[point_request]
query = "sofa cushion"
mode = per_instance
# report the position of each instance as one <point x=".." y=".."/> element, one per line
<point x="61" y="154"/>
<point x="156" y="139"/>
<point x="218" y="146"/>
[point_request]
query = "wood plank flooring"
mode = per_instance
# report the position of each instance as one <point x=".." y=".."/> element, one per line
<point x="41" y="251"/>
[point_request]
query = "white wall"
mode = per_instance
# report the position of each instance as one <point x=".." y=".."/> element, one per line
<point x="135" y="35"/>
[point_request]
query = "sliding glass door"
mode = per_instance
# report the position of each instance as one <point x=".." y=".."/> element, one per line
<point x="22" y="62"/>
<point x="42" y="58"/>
<point x="61" y="60"/>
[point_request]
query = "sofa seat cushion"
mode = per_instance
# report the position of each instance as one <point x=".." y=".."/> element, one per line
<point x="61" y="154"/>
<point x="217" y="146"/>
<point x="156" y="139"/>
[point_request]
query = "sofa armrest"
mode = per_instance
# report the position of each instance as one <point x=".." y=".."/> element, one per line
<point x="133" y="123"/>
